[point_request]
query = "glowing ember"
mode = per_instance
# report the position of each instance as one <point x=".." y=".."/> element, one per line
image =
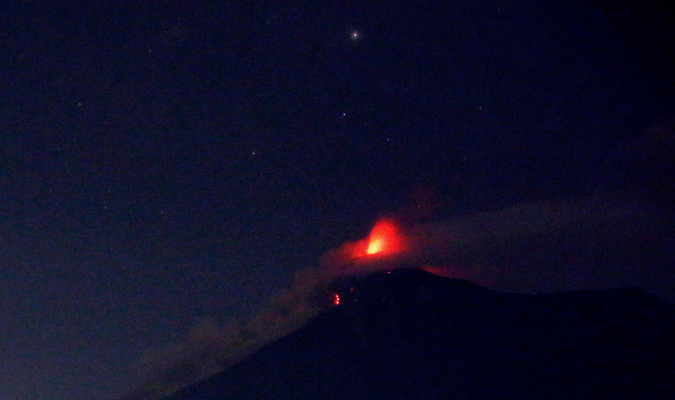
<point x="384" y="238"/>
<point x="375" y="246"/>
<point x="337" y="299"/>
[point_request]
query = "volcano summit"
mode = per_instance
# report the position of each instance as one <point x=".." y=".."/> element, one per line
<point x="411" y="334"/>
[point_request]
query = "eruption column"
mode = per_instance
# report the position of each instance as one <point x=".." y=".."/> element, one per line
<point x="384" y="238"/>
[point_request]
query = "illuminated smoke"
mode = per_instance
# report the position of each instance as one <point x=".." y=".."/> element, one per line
<point x="596" y="242"/>
<point x="587" y="243"/>
<point x="385" y="238"/>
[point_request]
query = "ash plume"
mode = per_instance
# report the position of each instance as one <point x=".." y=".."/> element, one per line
<point x="597" y="242"/>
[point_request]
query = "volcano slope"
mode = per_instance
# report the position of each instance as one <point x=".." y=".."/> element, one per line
<point x="409" y="334"/>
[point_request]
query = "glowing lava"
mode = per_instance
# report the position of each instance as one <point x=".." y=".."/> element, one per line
<point x="384" y="238"/>
<point x="375" y="246"/>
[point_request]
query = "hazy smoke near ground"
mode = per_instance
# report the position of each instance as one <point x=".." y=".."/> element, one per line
<point x="209" y="348"/>
<point x="598" y="242"/>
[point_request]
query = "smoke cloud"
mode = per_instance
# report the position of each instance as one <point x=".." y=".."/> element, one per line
<point x="209" y="348"/>
<point x="597" y="242"/>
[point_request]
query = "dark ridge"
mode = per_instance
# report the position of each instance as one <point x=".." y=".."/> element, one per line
<point x="411" y="334"/>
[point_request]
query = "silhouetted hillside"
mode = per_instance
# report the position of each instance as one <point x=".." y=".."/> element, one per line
<point x="411" y="334"/>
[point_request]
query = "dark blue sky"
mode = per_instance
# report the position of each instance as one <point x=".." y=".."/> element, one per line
<point x="164" y="162"/>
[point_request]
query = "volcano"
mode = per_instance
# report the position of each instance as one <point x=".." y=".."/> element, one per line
<point x="408" y="334"/>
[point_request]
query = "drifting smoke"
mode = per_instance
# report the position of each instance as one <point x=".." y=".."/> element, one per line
<point x="586" y="243"/>
<point x="598" y="242"/>
<point x="208" y="348"/>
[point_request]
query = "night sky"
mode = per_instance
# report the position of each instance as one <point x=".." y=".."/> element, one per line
<point x="166" y="163"/>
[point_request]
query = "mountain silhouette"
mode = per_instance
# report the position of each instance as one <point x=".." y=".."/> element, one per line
<point x="409" y="334"/>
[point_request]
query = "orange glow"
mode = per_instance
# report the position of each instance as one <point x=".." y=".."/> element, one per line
<point x="375" y="246"/>
<point x="384" y="238"/>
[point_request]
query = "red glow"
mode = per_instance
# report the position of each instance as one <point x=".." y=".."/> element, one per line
<point x="337" y="299"/>
<point x="384" y="241"/>
<point x="384" y="238"/>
